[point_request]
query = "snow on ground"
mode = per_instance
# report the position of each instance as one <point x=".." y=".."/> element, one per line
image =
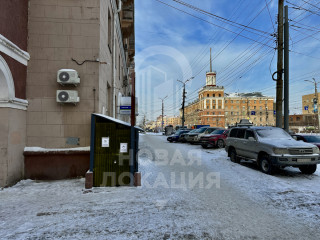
<point x="288" y="190"/>
<point x="65" y="210"/>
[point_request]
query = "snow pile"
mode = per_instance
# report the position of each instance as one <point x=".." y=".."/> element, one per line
<point x="46" y="150"/>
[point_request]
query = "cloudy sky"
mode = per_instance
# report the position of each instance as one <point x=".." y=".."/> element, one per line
<point x="173" y="40"/>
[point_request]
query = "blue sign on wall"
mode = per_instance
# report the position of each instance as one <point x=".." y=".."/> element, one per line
<point x="306" y="108"/>
<point x="125" y="107"/>
<point x="274" y="112"/>
<point x="253" y="113"/>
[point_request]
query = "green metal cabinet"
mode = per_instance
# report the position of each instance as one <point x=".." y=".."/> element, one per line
<point x="111" y="165"/>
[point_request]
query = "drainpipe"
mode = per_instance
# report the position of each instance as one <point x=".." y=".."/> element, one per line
<point x="120" y="6"/>
<point x="114" y="65"/>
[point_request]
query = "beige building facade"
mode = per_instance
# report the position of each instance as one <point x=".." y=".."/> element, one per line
<point x="95" y="39"/>
<point x="308" y="103"/>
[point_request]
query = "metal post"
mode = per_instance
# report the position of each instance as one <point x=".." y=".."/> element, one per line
<point x="183" y="98"/>
<point x="133" y="131"/>
<point x="286" y="70"/>
<point x="162" y="99"/>
<point x="317" y="103"/>
<point x="162" y="118"/>
<point x="279" y="93"/>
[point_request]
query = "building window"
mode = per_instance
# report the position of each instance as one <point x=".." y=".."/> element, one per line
<point x="213" y="95"/>
<point x="219" y="113"/>
<point x="260" y="113"/>
<point x="298" y="118"/>
<point x="226" y="101"/>
<point x="213" y="101"/>
<point x="254" y="107"/>
<point x="231" y="113"/>
<point x="231" y="101"/>
<point x="219" y="95"/>
<point x="207" y="95"/>
<point x="213" y="113"/>
<point x="208" y="113"/>
<point x="243" y="101"/>
<point x="214" y="107"/>
<point x="254" y="101"/>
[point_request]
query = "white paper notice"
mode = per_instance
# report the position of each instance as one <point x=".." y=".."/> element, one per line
<point x="105" y="142"/>
<point x="123" y="147"/>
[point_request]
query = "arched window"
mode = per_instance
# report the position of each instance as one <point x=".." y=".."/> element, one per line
<point x="6" y="81"/>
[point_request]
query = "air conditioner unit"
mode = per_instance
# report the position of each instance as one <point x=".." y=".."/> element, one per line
<point x="68" y="76"/>
<point x="67" y="96"/>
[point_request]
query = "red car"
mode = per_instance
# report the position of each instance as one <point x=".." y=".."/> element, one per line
<point x="215" y="139"/>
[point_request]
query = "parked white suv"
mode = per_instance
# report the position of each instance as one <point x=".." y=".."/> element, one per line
<point x="271" y="147"/>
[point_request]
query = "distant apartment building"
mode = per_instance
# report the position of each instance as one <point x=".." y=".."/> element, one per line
<point x="308" y="105"/>
<point x="168" y="120"/>
<point x="216" y="108"/>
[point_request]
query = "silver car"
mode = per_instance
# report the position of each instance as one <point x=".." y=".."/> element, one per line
<point x="194" y="136"/>
<point x="271" y="147"/>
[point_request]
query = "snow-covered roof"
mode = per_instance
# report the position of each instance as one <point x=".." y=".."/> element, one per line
<point x="246" y="95"/>
<point x="47" y="150"/>
<point x="116" y="120"/>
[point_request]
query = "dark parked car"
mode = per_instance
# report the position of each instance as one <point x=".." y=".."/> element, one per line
<point x="175" y="137"/>
<point x="215" y="139"/>
<point x="314" y="139"/>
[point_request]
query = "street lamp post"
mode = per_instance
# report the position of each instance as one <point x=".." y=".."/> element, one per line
<point x="183" y="98"/>
<point x="162" y="99"/>
<point x="315" y="100"/>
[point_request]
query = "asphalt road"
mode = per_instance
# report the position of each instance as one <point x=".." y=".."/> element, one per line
<point x="220" y="211"/>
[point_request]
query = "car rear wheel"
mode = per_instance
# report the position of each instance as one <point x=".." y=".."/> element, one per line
<point x="266" y="165"/>
<point x="233" y="156"/>
<point x="220" y="143"/>
<point x="308" y="169"/>
<point x="205" y="146"/>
